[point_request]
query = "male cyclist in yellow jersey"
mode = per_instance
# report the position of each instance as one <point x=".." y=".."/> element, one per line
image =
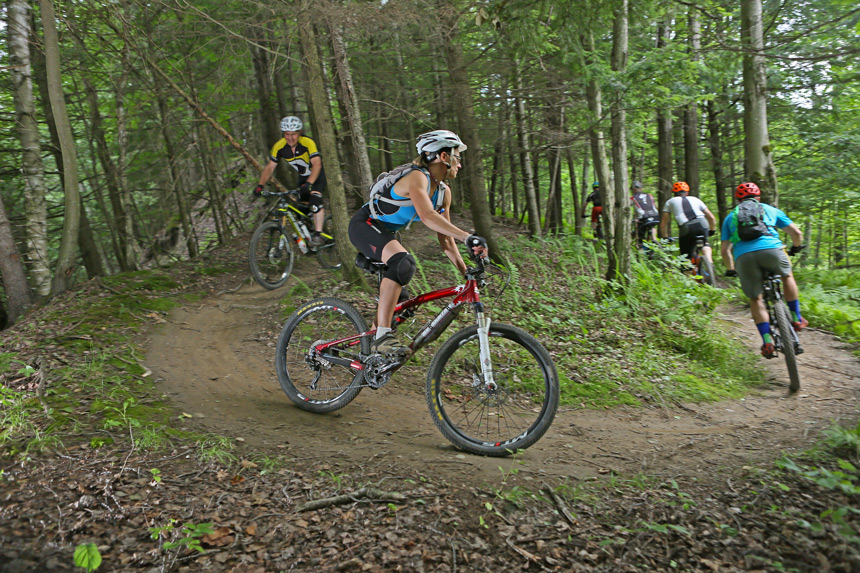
<point x="302" y="155"/>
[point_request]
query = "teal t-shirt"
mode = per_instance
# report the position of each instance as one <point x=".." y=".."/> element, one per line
<point x="773" y="218"/>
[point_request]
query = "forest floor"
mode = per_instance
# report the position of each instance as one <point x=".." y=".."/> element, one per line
<point x="672" y="486"/>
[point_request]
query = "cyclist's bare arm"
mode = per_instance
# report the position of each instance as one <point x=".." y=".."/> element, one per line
<point x="795" y="233"/>
<point x="415" y="188"/>
<point x="712" y="221"/>
<point x="728" y="257"/>
<point x="448" y="244"/>
<point x="267" y="171"/>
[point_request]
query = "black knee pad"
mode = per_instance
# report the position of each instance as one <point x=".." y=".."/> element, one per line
<point x="401" y="267"/>
<point x="316" y="201"/>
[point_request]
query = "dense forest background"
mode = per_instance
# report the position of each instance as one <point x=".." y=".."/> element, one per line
<point x="134" y="131"/>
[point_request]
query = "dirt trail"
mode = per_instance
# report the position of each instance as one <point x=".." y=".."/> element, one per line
<point x="215" y="360"/>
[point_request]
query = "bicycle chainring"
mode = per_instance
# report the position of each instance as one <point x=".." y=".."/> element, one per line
<point x="378" y="370"/>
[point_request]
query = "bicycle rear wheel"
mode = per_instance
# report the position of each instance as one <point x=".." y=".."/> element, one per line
<point x="327" y="253"/>
<point x="270" y="255"/>
<point x="308" y="379"/>
<point x="786" y="343"/>
<point x="492" y="422"/>
<point x="706" y="270"/>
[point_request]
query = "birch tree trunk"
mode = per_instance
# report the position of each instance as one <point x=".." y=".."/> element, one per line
<point x="691" y="113"/>
<point x="664" y="136"/>
<point x="318" y="101"/>
<point x="28" y="135"/>
<point x="759" y="160"/>
<point x="72" y="203"/>
<point x="619" y="256"/>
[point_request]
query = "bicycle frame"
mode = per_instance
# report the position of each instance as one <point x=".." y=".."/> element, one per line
<point x="284" y="210"/>
<point x="772" y="294"/>
<point x="467" y="293"/>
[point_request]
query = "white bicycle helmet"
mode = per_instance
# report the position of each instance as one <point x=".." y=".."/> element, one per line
<point x="291" y="123"/>
<point x="433" y="141"/>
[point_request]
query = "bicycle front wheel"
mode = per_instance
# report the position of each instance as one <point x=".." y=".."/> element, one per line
<point x="498" y="421"/>
<point x="311" y="381"/>
<point x="327" y="253"/>
<point x="786" y="341"/>
<point x="270" y="255"/>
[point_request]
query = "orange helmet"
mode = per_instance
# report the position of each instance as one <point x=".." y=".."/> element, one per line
<point x="746" y="190"/>
<point x="680" y="187"/>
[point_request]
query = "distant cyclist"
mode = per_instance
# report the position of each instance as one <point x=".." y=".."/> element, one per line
<point x="751" y="245"/>
<point x="596" y="209"/>
<point x="302" y="155"/>
<point x="693" y="218"/>
<point x="646" y="215"/>
<point x="411" y="191"/>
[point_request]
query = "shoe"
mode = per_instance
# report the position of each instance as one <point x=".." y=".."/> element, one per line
<point x="768" y="350"/>
<point x="317" y="240"/>
<point x="388" y="344"/>
<point x="800" y="324"/>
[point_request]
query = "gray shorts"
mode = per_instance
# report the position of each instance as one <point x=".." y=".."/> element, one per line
<point x="751" y="267"/>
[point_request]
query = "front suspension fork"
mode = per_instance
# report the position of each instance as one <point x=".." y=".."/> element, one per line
<point x="484" y="342"/>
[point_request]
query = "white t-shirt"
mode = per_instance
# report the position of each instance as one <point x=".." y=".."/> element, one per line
<point x="675" y="206"/>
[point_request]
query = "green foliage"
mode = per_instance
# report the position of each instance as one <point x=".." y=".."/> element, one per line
<point x="87" y="556"/>
<point x="831" y="300"/>
<point x="188" y="536"/>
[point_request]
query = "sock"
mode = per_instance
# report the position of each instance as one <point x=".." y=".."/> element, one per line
<point x="764" y="330"/>
<point x="794" y="307"/>
<point x="381" y="331"/>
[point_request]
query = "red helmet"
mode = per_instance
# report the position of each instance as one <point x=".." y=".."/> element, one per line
<point x="746" y="190"/>
<point x="680" y="187"/>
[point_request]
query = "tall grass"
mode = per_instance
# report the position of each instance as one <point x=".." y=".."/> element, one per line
<point x="831" y="300"/>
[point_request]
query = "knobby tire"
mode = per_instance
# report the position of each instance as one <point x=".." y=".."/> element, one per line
<point x="271" y="262"/>
<point x="786" y="336"/>
<point x="320" y="320"/>
<point x="706" y="270"/>
<point x="486" y="422"/>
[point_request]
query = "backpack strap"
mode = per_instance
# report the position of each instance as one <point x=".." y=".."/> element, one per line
<point x="688" y="209"/>
<point x="386" y="181"/>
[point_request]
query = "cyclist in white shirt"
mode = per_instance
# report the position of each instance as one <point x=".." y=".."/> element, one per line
<point x="693" y="218"/>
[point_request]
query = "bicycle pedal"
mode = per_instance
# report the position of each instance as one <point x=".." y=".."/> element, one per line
<point x="798" y="349"/>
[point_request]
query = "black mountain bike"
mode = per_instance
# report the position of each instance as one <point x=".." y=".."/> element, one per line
<point x="703" y="267"/>
<point x="785" y="339"/>
<point x="274" y="243"/>
<point x="491" y="388"/>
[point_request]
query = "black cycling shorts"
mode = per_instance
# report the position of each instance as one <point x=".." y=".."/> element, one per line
<point x="368" y="236"/>
<point x="644" y="226"/>
<point x="689" y="231"/>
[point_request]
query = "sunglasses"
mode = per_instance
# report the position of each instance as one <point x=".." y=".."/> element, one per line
<point x="458" y="159"/>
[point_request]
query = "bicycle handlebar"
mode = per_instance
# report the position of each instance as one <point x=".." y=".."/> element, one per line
<point x="290" y="194"/>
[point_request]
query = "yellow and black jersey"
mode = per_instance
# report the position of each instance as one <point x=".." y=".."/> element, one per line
<point x="300" y="159"/>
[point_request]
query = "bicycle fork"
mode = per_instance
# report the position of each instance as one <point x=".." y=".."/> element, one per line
<point x="484" y="343"/>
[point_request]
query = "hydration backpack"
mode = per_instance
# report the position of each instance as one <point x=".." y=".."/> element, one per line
<point x="386" y="181"/>
<point x="749" y="221"/>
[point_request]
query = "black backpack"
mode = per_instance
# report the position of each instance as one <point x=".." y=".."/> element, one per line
<point x="749" y="220"/>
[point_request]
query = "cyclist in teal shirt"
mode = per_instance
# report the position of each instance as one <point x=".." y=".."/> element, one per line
<point x="749" y="259"/>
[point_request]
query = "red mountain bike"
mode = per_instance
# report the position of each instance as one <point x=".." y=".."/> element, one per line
<point x="491" y="388"/>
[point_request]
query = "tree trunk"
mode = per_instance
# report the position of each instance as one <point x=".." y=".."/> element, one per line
<point x="716" y="145"/>
<point x="525" y="155"/>
<point x="665" y="177"/>
<point x="574" y="192"/>
<point x="28" y="134"/>
<point x="691" y="114"/>
<point x="759" y="160"/>
<point x="348" y="96"/>
<point x="318" y="100"/>
<point x="598" y="143"/>
<point x="619" y="257"/>
<point x="461" y="96"/>
<point x="268" y="118"/>
<point x="12" y="272"/>
<point x="72" y="202"/>
<point x="173" y="176"/>
<point x="213" y="186"/>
